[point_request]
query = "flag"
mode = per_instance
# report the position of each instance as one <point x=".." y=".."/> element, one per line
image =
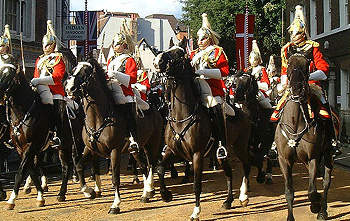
<point x="92" y="31"/>
<point x="244" y="38"/>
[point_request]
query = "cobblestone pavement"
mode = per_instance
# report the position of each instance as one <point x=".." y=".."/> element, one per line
<point x="267" y="202"/>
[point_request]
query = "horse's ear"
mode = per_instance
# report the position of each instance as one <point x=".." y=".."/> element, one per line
<point x="183" y="43"/>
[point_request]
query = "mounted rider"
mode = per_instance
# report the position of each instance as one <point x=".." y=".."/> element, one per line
<point x="210" y="63"/>
<point x="260" y="74"/>
<point x="6" y="47"/>
<point x="319" y="68"/>
<point x="48" y="74"/>
<point x="122" y="73"/>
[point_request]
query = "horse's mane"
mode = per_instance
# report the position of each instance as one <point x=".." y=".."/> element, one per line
<point x="68" y="54"/>
<point x="101" y="77"/>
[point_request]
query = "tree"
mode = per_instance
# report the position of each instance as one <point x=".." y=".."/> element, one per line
<point x="221" y="15"/>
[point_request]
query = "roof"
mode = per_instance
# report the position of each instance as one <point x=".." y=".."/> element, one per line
<point x="172" y="20"/>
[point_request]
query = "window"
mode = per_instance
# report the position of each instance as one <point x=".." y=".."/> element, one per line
<point x="347" y="12"/>
<point x="335" y="18"/>
<point x="11" y="13"/>
<point x="319" y="16"/>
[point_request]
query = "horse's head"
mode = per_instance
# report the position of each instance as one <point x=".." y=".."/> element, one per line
<point x="173" y="62"/>
<point x="246" y="87"/>
<point x="298" y="75"/>
<point x="8" y="74"/>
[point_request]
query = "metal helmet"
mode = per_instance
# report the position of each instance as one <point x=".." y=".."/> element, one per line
<point x="206" y="30"/>
<point x="255" y="56"/>
<point x="271" y="68"/>
<point x="50" y="36"/>
<point x="298" y="26"/>
<point x="5" y="39"/>
<point x="124" y="37"/>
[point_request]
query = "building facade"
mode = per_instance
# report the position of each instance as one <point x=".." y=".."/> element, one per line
<point x="329" y="24"/>
<point x="29" y="18"/>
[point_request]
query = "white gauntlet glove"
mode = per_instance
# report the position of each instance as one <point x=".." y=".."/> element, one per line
<point x="46" y="80"/>
<point x="140" y="87"/>
<point x="210" y="73"/>
<point x="318" y="76"/>
<point x="124" y="79"/>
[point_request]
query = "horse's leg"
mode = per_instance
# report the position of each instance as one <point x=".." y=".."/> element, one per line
<point x="243" y="195"/>
<point x="323" y="215"/>
<point x="27" y="186"/>
<point x="228" y="173"/>
<point x="66" y="167"/>
<point x="148" y="179"/>
<point x="2" y="193"/>
<point x="314" y="196"/>
<point x="33" y="172"/>
<point x="288" y="185"/>
<point x="165" y="193"/>
<point x="268" y="179"/>
<point x="186" y="178"/>
<point x="95" y="170"/>
<point x="197" y="183"/>
<point x="87" y="191"/>
<point x="115" y="163"/>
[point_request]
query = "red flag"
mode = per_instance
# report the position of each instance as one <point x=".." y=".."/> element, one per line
<point x="244" y="38"/>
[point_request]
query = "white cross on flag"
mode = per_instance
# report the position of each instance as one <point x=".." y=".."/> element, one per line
<point x="244" y="38"/>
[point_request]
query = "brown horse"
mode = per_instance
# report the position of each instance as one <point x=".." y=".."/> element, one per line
<point x="29" y="121"/>
<point x="105" y="130"/>
<point x="188" y="130"/>
<point x="301" y="138"/>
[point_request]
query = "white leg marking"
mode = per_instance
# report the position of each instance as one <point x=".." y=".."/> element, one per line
<point x="243" y="190"/>
<point x="98" y="183"/>
<point x="116" y="201"/>
<point x="28" y="183"/>
<point x="12" y="198"/>
<point x="40" y="196"/>
<point x="196" y="212"/>
<point x="87" y="191"/>
<point x="43" y="182"/>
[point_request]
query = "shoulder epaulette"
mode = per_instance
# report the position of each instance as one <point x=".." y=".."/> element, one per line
<point x="313" y="43"/>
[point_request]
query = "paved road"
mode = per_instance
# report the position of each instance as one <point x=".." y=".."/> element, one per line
<point x="266" y="201"/>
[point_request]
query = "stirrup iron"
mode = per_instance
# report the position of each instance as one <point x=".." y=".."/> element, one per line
<point x="133" y="146"/>
<point x="221" y="149"/>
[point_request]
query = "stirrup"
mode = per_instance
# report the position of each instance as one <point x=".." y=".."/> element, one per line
<point x="56" y="142"/>
<point x="221" y="152"/>
<point x="272" y="154"/>
<point x="133" y="147"/>
<point x="336" y="148"/>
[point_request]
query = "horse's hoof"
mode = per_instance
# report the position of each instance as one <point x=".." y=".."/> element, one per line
<point x="75" y="179"/>
<point x="98" y="194"/>
<point x="136" y="181"/>
<point x="144" y="200"/>
<point x="114" y="210"/>
<point x="10" y="206"/>
<point x="322" y="215"/>
<point x="61" y="198"/>
<point x="2" y="195"/>
<point x="194" y="219"/>
<point x="92" y="195"/>
<point x="315" y="207"/>
<point x="40" y="203"/>
<point x="166" y="196"/>
<point x="244" y="203"/>
<point x="268" y="181"/>
<point x="27" y="190"/>
<point x="226" y="205"/>
<point x="290" y="218"/>
<point x="45" y="189"/>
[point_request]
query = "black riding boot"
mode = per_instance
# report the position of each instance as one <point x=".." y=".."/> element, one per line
<point x="218" y="125"/>
<point x="334" y="141"/>
<point x="131" y="120"/>
<point x="58" y="114"/>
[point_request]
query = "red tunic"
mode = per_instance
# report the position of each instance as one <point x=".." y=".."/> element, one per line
<point x="131" y="70"/>
<point x="317" y="63"/>
<point x="217" y="86"/>
<point x="57" y="74"/>
<point x="143" y="79"/>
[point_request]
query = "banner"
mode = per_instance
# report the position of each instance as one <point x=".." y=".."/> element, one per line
<point x="91" y="29"/>
<point x="244" y="38"/>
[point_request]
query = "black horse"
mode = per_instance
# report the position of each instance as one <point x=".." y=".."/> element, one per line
<point x="262" y="136"/>
<point x="300" y="137"/>
<point x="105" y="129"/>
<point x="188" y="130"/>
<point x="29" y="121"/>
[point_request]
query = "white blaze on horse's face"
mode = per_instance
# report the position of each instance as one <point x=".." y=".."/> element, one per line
<point x="156" y="61"/>
<point x="69" y="85"/>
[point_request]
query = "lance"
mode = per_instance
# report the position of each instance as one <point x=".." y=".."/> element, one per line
<point x="102" y="44"/>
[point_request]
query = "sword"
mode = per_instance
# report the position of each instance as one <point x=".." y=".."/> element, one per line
<point x="24" y="67"/>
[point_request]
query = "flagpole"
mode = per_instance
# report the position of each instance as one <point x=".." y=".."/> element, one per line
<point x="87" y="28"/>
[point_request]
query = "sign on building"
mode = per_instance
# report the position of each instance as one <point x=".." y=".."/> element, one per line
<point x="74" y="32"/>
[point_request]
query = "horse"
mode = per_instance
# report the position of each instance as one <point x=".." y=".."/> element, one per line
<point x="188" y="129"/>
<point x="261" y="139"/>
<point x="302" y="138"/>
<point x="105" y="129"/>
<point x="29" y="121"/>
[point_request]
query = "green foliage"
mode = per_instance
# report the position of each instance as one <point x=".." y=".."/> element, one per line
<point x="221" y="15"/>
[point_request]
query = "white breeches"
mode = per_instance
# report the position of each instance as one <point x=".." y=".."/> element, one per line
<point x="141" y="104"/>
<point x="45" y="94"/>
<point x="117" y="92"/>
<point x="209" y="100"/>
<point x="263" y="101"/>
